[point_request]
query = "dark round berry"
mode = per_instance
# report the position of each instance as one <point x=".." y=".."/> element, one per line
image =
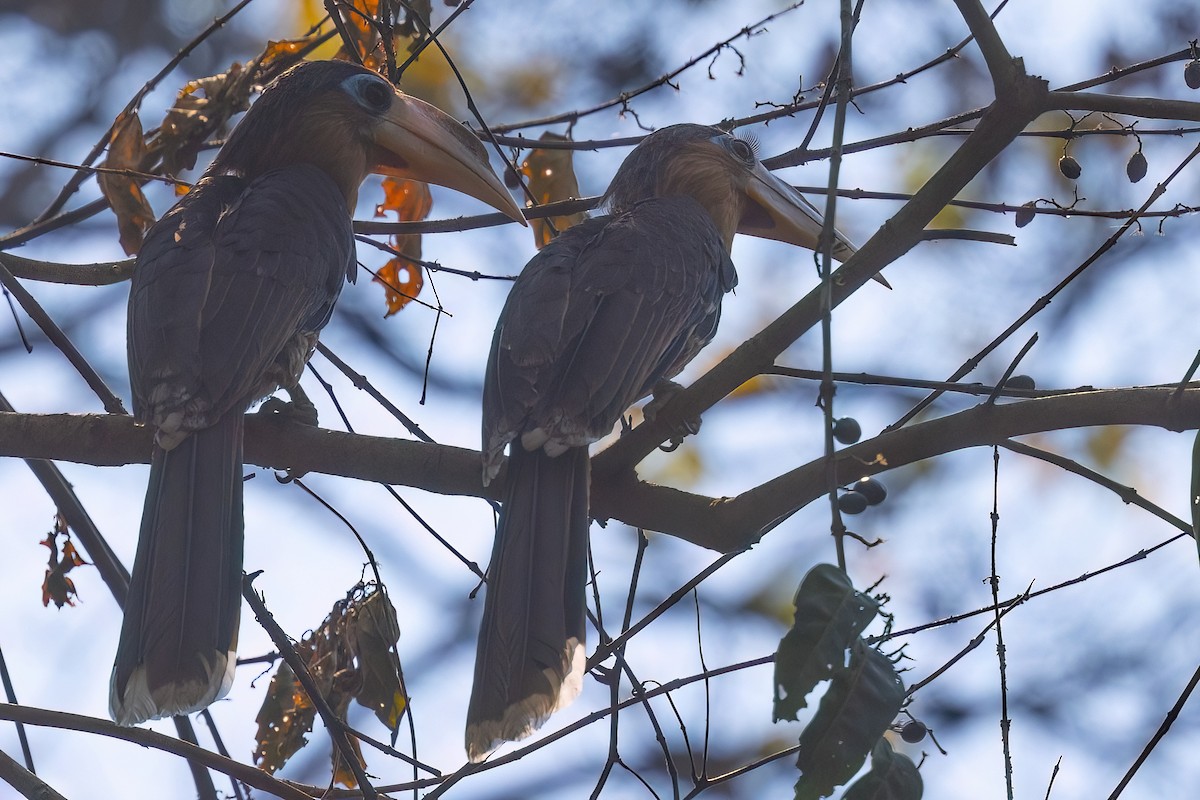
<point x="852" y="503"/>
<point x="1191" y="74"/>
<point x="1025" y="215"/>
<point x="1135" y="168"/>
<point x="847" y="430"/>
<point x="874" y="491"/>
<point x="510" y="178"/>
<point x="1020" y="382"/>
<point x="913" y="732"/>
<point x="1069" y="167"/>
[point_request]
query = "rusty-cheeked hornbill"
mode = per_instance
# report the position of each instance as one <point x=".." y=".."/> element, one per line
<point x="229" y="292"/>
<point x="613" y="307"/>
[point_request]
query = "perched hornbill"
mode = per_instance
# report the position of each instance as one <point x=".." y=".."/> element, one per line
<point x="613" y="307"/>
<point x="229" y="292"/>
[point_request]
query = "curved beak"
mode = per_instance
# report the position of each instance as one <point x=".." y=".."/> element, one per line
<point x="774" y="210"/>
<point x="416" y="140"/>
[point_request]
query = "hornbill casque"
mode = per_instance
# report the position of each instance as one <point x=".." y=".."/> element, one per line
<point x="229" y="292"/>
<point x="610" y="310"/>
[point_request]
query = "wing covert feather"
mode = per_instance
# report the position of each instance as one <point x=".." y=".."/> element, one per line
<point x="602" y="314"/>
<point x="225" y="281"/>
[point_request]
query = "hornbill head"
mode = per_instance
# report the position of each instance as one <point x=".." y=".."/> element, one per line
<point x="349" y="122"/>
<point x="723" y="173"/>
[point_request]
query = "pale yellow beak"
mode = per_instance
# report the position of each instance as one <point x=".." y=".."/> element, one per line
<point x="777" y="211"/>
<point x="774" y="210"/>
<point x="419" y="141"/>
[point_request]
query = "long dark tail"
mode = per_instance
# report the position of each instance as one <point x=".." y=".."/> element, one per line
<point x="530" y="658"/>
<point x="176" y="653"/>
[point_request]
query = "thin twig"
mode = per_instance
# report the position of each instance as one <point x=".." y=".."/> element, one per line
<point x="1012" y="366"/>
<point x="112" y="404"/>
<point x="1167" y="722"/>
<point x="10" y="694"/>
<point x="1043" y="301"/>
<point x="1128" y="494"/>
<point x="1001" y="655"/>
<point x="78" y="178"/>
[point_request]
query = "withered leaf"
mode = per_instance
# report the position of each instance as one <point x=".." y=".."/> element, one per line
<point x="56" y="586"/>
<point x="382" y="689"/>
<point x="201" y="107"/>
<point x="204" y="106"/>
<point x="345" y="656"/>
<point x="341" y="770"/>
<point x="402" y="278"/>
<point x="551" y="177"/>
<point x="126" y="151"/>
<point x="283" y="720"/>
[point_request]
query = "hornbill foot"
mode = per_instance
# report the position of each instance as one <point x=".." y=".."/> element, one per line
<point x="664" y="392"/>
<point x="299" y="409"/>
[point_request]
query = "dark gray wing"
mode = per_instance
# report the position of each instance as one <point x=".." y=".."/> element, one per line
<point x="598" y="317"/>
<point x="224" y="281"/>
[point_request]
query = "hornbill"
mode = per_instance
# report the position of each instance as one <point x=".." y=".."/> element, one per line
<point x="229" y="292"/>
<point x="601" y="317"/>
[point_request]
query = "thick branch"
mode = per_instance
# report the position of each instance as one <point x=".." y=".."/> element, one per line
<point x="723" y="524"/>
<point x="1144" y="107"/>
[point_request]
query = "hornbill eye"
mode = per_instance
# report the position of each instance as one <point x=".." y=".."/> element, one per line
<point x="743" y="149"/>
<point x="373" y="93"/>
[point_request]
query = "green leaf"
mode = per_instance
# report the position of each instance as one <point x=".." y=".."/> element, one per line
<point x="893" y="776"/>
<point x="830" y="615"/>
<point x="1195" y="504"/>
<point x="861" y="702"/>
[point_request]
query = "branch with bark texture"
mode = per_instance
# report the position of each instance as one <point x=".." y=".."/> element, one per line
<point x="725" y="524"/>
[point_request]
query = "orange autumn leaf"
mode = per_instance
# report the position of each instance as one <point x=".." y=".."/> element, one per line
<point x="402" y="281"/>
<point x="282" y="48"/>
<point x="402" y="278"/>
<point x="126" y="150"/>
<point x="551" y="177"/>
<point x="410" y="199"/>
<point x="362" y="23"/>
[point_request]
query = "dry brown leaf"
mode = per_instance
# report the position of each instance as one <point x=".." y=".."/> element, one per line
<point x="551" y="177"/>
<point x="126" y="150"/>
<point x="342" y="773"/>
<point x="345" y="657"/>
<point x="283" y="720"/>
<point x="203" y="106"/>
<point x="56" y="586"/>
<point x="377" y="631"/>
